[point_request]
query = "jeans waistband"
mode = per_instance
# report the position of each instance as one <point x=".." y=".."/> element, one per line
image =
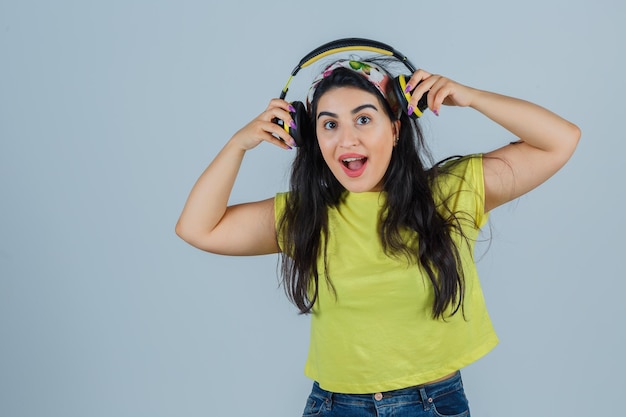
<point x="419" y="393"/>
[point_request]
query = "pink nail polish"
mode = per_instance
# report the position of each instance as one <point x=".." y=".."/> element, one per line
<point x="407" y="89"/>
<point x="292" y="109"/>
<point x="410" y="110"/>
<point x="292" y="124"/>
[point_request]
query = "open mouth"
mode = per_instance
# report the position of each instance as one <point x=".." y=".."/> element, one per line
<point x="354" y="164"/>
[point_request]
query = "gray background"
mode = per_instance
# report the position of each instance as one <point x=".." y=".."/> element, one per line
<point x="110" y="110"/>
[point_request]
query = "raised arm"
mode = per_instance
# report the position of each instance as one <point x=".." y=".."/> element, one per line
<point x="546" y="140"/>
<point x="208" y="222"/>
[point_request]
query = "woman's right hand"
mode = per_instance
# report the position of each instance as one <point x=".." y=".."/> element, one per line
<point x="264" y="129"/>
<point x="207" y="221"/>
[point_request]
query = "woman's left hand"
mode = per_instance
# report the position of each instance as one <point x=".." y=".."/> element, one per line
<point x="545" y="140"/>
<point x="439" y="89"/>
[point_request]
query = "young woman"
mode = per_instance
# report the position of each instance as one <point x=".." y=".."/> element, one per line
<point x="376" y="245"/>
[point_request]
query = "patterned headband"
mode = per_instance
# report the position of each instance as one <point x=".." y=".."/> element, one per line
<point x="372" y="72"/>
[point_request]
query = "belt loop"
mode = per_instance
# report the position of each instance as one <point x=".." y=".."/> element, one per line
<point x="329" y="400"/>
<point x="426" y="400"/>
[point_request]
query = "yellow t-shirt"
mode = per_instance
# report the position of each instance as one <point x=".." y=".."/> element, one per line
<point x="376" y="332"/>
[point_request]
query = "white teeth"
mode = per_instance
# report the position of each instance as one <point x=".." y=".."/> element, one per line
<point x="351" y="159"/>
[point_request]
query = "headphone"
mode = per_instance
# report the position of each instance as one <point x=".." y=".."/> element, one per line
<point x="396" y="86"/>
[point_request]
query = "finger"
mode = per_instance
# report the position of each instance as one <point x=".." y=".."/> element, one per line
<point x="280" y="113"/>
<point x="416" y="78"/>
<point x="423" y="82"/>
<point x="440" y="90"/>
<point x="280" y="103"/>
<point x="277" y="135"/>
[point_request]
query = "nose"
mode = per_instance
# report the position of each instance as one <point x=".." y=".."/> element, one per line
<point x="348" y="138"/>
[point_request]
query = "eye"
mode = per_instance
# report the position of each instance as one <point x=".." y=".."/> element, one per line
<point x="363" y="120"/>
<point x="329" y="125"/>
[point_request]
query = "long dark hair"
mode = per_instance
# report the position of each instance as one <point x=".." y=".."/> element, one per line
<point x="410" y="205"/>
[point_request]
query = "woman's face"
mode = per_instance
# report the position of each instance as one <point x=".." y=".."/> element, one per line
<point x="356" y="137"/>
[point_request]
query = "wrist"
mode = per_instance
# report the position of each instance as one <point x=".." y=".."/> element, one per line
<point x="234" y="145"/>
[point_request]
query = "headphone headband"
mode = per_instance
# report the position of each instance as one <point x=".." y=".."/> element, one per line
<point x="394" y="90"/>
<point x="343" y="45"/>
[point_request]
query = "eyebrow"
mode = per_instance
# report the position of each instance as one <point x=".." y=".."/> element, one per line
<point x="356" y="110"/>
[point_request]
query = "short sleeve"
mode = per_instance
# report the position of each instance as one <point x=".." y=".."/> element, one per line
<point x="280" y="201"/>
<point x="461" y="188"/>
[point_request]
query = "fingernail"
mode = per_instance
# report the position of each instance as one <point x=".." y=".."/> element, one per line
<point x="436" y="112"/>
<point x="292" y="109"/>
<point x="292" y="124"/>
<point x="288" y="147"/>
<point x="407" y="89"/>
<point x="410" y="110"/>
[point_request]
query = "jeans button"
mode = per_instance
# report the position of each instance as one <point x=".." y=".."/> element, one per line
<point x="378" y="396"/>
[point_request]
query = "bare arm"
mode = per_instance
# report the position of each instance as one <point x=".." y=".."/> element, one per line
<point x="208" y="222"/>
<point x="547" y="141"/>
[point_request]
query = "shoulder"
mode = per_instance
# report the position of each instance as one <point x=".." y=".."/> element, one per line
<point x="280" y="203"/>
<point x="460" y="171"/>
<point x="280" y="200"/>
<point x="459" y="186"/>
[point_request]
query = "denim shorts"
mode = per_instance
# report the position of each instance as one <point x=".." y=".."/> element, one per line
<point x="445" y="398"/>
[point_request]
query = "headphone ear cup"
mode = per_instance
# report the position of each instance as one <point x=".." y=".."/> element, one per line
<point x="301" y="119"/>
<point x="401" y="97"/>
